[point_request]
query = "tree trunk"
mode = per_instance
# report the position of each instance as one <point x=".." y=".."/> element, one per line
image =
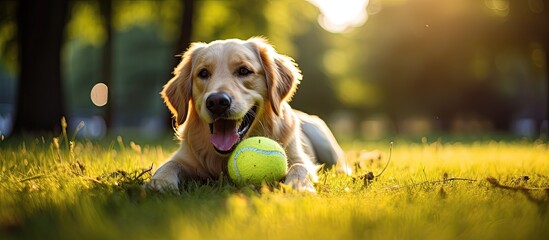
<point x="183" y="40"/>
<point x="186" y="26"/>
<point x="106" y="12"/>
<point x="39" y="103"/>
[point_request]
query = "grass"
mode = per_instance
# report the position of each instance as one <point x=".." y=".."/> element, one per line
<point x="57" y="189"/>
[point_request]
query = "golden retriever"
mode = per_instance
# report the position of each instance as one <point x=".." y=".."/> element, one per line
<point x="228" y="90"/>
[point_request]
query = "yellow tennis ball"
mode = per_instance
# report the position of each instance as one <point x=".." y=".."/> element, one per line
<point x="256" y="160"/>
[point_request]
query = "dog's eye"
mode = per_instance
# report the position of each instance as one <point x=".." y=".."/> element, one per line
<point x="243" y="71"/>
<point x="204" y="73"/>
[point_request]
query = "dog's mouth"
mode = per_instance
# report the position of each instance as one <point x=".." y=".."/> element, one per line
<point x="226" y="133"/>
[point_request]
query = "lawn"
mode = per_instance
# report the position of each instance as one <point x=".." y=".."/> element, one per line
<point x="52" y="188"/>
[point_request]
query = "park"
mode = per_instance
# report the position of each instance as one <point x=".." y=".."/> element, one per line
<point x="440" y="109"/>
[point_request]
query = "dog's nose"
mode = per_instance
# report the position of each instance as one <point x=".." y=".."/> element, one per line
<point x="218" y="103"/>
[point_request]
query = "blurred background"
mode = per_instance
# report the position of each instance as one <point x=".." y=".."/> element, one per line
<point x="372" y="68"/>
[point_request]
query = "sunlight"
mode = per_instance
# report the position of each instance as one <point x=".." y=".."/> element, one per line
<point x="86" y="25"/>
<point x="342" y="15"/>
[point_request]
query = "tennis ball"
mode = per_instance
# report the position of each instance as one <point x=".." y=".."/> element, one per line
<point x="256" y="160"/>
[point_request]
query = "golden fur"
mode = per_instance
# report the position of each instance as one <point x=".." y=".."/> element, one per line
<point x="270" y="85"/>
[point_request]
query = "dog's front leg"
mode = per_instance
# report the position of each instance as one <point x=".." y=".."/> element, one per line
<point x="167" y="176"/>
<point x="302" y="172"/>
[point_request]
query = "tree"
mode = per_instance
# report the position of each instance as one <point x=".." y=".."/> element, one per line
<point x="186" y="27"/>
<point x="184" y="39"/>
<point x="106" y="13"/>
<point x="39" y="103"/>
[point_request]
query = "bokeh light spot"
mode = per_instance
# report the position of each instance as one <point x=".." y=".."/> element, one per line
<point x="339" y="16"/>
<point x="336" y="62"/>
<point x="536" y="6"/>
<point x="100" y="94"/>
<point x="499" y="7"/>
<point x="538" y="56"/>
<point x="357" y="93"/>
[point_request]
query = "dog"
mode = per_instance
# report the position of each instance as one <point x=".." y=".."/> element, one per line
<point x="228" y="90"/>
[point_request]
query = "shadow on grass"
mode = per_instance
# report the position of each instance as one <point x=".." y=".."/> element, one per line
<point x="117" y="207"/>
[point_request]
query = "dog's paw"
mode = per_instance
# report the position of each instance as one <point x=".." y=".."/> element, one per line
<point x="298" y="178"/>
<point x="166" y="178"/>
<point x="162" y="185"/>
<point x="301" y="185"/>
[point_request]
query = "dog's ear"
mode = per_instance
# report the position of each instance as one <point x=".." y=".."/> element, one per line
<point x="281" y="73"/>
<point x="178" y="91"/>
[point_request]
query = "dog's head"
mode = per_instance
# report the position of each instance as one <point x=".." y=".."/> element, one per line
<point x="230" y="83"/>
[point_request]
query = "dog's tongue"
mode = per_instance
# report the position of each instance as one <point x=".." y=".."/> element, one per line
<point x="224" y="135"/>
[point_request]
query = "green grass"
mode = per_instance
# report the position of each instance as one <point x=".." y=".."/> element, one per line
<point x="91" y="190"/>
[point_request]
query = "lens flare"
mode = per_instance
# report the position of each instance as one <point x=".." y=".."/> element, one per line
<point x="342" y="15"/>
